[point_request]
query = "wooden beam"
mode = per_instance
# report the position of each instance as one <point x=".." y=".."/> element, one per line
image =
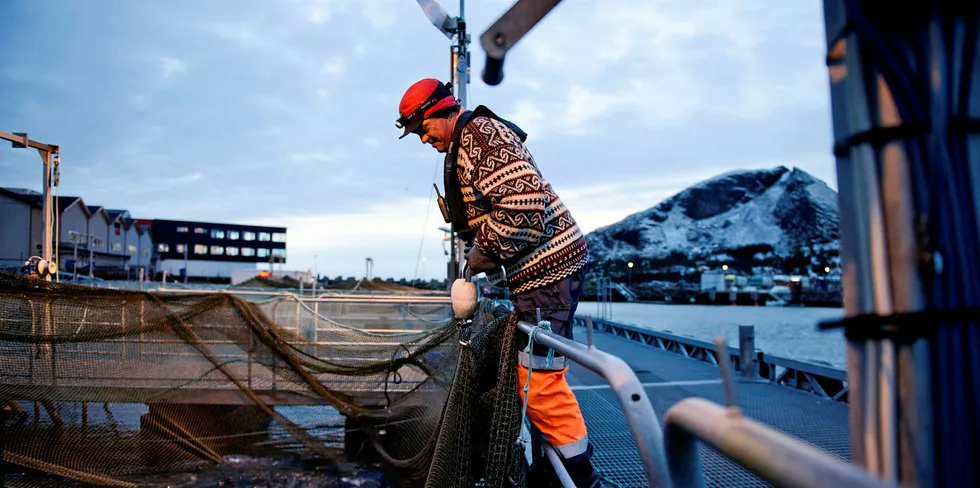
<point x="21" y="140"/>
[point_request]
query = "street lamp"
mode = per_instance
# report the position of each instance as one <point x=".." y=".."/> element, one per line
<point x="724" y="267"/>
<point x="629" y="273"/>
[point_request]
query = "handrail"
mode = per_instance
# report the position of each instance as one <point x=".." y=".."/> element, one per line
<point x="819" y="379"/>
<point x="346" y="298"/>
<point x="773" y="456"/>
<point x="629" y="391"/>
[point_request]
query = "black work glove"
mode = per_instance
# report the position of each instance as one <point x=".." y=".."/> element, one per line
<point x="479" y="262"/>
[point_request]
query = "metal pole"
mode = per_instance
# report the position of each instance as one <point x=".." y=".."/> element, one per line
<point x="75" y="260"/>
<point x="187" y="271"/>
<point x="746" y="351"/>
<point x="47" y="212"/>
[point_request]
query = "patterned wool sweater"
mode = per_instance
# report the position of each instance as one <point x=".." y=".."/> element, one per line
<point x="518" y="219"/>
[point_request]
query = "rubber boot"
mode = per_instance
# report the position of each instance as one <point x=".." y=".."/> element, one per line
<point x="580" y="469"/>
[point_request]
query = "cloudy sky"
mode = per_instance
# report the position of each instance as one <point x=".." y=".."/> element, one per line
<point x="281" y="112"/>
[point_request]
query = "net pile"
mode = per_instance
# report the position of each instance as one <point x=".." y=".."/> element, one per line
<point x="107" y="387"/>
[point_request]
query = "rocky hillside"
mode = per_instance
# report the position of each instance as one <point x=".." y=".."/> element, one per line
<point x="779" y="219"/>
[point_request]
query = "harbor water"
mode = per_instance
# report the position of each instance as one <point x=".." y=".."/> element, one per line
<point x="789" y="332"/>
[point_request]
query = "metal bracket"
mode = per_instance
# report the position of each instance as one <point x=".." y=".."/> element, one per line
<point x="507" y="30"/>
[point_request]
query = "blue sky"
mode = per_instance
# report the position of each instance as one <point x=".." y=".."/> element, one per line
<point x="282" y="112"/>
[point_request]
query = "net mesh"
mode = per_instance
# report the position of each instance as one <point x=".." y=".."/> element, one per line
<point x="108" y="387"/>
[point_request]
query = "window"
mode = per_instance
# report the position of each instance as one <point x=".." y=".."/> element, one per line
<point x="131" y="249"/>
<point x="263" y="253"/>
<point x="181" y="229"/>
<point x="233" y="235"/>
<point x="264" y="236"/>
<point x="249" y="236"/>
<point x="231" y="251"/>
<point x="200" y="230"/>
<point x="200" y="249"/>
<point x="180" y="248"/>
<point x="98" y="243"/>
<point x="217" y="250"/>
<point x="247" y="251"/>
<point x="76" y="237"/>
<point x="146" y="252"/>
<point x="279" y="237"/>
<point x="279" y="252"/>
<point x="217" y="234"/>
<point x="117" y="246"/>
<point x="164" y="247"/>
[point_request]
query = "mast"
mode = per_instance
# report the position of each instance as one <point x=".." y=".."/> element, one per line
<point x="459" y="74"/>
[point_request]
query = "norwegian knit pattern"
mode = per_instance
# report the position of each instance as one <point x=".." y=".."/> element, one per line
<point x="518" y="218"/>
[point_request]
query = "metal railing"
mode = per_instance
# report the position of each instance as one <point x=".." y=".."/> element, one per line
<point x="773" y="456"/>
<point x="629" y="392"/>
<point x="821" y="380"/>
<point x="671" y="458"/>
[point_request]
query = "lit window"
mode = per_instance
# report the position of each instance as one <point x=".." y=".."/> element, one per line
<point x="217" y="234"/>
<point x="180" y="248"/>
<point x="279" y="252"/>
<point x="165" y="247"/>
<point x="146" y="252"/>
<point x="231" y="251"/>
<point x="200" y="249"/>
<point x="200" y="230"/>
<point x="249" y="236"/>
<point x="264" y="236"/>
<point x="131" y="249"/>
<point x="263" y="253"/>
<point x="217" y="250"/>
<point x="181" y="229"/>
<point x="279" y="237"/>
<point x="233" y="235"/>
<point x="117" y="246"/>
<point x="248" y="251"/>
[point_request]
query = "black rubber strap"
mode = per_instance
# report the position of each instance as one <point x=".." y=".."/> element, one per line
<point x="902" y="327"/>
<point x="879" y="136"/>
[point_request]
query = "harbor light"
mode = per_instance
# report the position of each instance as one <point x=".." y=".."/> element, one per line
<point x="630" y="264"/>
<point x="724" y="267"/>
<point x="826" y="269"/>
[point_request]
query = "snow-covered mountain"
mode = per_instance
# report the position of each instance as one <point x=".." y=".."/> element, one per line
<point x="783" y="218"/>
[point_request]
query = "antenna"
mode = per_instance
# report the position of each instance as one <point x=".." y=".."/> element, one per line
<point x="459" y="74"/>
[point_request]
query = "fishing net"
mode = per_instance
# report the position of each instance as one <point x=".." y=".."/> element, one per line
<point x="113" y="387"/>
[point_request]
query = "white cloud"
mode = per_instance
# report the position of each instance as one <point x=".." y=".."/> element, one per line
<point x="667" y="62"/>
<point x="335" y="67"/>
<point x="389" y="232"/>
<point x="171" y="66"/>
<point x="604" y="203"/>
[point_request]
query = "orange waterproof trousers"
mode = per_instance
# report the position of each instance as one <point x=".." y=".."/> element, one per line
<point x="553" y="409"/>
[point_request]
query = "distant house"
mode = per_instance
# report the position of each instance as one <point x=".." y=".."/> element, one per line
<point x="20" y="226"/>
<point x="116" y="235"/>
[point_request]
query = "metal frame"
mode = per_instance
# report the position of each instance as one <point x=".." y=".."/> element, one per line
<point x="773" y="456"/>
<point x="632" y="398"/>
<point x="820" y="380"/>
<point x="50" y="155"/>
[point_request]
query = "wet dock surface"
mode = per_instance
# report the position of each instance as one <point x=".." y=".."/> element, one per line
<point x="669" y="378"/>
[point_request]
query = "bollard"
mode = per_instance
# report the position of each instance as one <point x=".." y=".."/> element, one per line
<point x="746" y="351"/>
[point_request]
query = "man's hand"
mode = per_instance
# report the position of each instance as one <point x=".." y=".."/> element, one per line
<point x="479" y="262"/>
